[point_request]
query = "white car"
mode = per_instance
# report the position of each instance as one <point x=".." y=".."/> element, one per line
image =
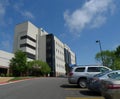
<point x="78" y="74"/>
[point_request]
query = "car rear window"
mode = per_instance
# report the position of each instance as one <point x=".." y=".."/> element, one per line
<point x="82" y="69"/>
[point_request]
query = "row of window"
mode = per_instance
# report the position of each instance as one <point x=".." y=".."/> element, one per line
<point x="60" y="66"/>
<point x="60" y="58"/>
<point x="27" y="45"/>
<point x="29" y="55"/>
<point x="91" y="69"/>
<point x="59" y="51"/>
<point x="27" y="37"/>
<point x="59" y="45"/>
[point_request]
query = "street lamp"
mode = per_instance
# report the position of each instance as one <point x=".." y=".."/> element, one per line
<point x="98" y="41"/>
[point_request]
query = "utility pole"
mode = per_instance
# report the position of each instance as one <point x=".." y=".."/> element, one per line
<point x="98" y="41"/>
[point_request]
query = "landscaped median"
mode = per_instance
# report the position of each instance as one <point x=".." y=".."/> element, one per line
<point x="5" y="79"/>
<point x="13" y="79"/>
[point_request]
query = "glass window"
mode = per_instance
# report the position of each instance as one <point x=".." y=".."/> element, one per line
<point x="103" y="69"/>
<point x="27" y="37"/>
<point x="112" y="75"/>
<point x="29" y="55"/>
<point x="80" y="69"/>
<point x="93" y="69"/>
<point x="27" y="45"/>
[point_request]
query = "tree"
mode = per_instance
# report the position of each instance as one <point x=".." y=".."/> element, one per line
<point x="18" y="65"/>
<point x="108" y="57"/>
<point x="117" y="58"/>
<point x="117" y="52"/>
<point x="37" y="68"/>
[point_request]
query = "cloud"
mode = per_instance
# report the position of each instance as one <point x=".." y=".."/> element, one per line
<point x="92" y="14"/>
<point x="98" y="21"/>
<point x="24" y="13"/>
<point x="27" y="14"/>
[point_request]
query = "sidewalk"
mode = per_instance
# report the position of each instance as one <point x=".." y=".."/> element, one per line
<point x="5" y="79"/>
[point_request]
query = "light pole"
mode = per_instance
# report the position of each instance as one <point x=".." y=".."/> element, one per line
<point x="98" y="41"/>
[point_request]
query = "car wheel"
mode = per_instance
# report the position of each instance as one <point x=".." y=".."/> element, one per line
<point x="82" y="83"/>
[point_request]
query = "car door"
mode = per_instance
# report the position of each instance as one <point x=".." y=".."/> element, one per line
<point x="91" y="71"/>
<point x="79" y="71"/>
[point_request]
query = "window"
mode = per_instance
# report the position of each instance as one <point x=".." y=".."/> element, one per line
<point x="112" y="75"/>
<point x="27" y="45"/>
<point x="93" y="69"/>
<point x="29" y="55"/>
<point x="27" y="37"/>
<point x="80" y="69"/>
<point x="103" y="69"/>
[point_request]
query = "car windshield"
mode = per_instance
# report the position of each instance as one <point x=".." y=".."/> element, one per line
<point x="100" y="74"/>
<point x="117" y="77"/>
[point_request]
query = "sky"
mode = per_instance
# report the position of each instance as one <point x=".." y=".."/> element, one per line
<point x="77" y="23"/>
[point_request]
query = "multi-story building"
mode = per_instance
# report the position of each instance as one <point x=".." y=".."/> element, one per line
<point x="39" y="45"/>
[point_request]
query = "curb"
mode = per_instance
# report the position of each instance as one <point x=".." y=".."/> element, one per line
<point x="9" y="82"/>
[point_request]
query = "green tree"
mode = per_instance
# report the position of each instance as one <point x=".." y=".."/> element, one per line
<point x="117" y="58"/>
<point x="37" y="68"/>
<point x="108" y="57"/>
<point x="117" y="52"/>
<point x="18" y="65"/>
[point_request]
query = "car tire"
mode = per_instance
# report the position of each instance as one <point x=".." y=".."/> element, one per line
<point x="82" y="83"/>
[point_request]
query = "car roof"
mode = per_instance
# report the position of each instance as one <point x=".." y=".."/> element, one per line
<point x="87" y="66"/>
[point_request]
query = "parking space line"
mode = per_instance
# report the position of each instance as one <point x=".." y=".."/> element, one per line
<point x="74" y="89"/>
<point x="84" y="98"/>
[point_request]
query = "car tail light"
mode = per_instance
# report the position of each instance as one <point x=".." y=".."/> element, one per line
<point x="70" y="74"/>
<point x="113" y="86"/>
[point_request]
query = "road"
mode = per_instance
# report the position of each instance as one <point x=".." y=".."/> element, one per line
<point x="45" y="88"/>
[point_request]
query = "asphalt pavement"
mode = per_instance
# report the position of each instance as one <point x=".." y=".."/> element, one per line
<point x="45" y="88"/>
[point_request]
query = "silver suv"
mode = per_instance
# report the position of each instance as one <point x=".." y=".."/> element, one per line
<point x="78" y="74"/>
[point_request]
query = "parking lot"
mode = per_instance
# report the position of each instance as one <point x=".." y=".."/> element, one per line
<point x="46" y="88"/>
<point x="74" y="92"/>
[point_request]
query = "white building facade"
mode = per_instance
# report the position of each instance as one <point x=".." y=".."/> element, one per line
<point x="39" y="45"/>
<point x="5" y="61"/>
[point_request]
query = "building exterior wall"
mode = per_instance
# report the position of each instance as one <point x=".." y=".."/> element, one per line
<point x="70" y="57"/>
<point x="20" y="29"/>
<point x="5" y="61"/>
<point x="59" y="57"/>
<point x="73" y="57"/>
<point x="50" y="53"/>
<point x="25" y="39"/>
<point x="5" y="58"/>
<point x="42" y="48"/>
<point x="39" y="45"/>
